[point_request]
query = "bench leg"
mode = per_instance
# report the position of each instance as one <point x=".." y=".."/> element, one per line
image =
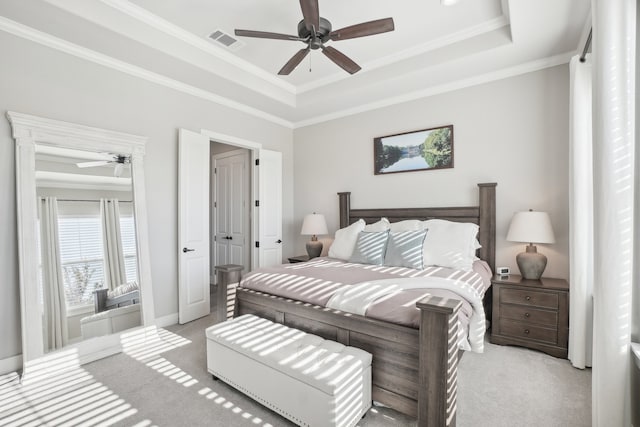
<point x="214" y="377"/>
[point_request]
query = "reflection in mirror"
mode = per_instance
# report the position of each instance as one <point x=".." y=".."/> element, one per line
<point x="83" y="240"/>
<point x="88" y="279"/>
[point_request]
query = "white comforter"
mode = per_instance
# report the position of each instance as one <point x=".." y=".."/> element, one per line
<point x="356" y="299"/>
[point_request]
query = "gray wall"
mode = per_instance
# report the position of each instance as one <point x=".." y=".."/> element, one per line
<point x="43" y="82"/>
<point x="514" y="132"/>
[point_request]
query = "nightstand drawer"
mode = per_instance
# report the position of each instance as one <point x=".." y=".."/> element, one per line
<point x="529" y="297"/>
<point x="529" y="315"/>
<point x="528" y="331"/>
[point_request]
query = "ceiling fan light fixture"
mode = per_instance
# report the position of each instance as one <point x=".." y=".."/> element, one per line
<point x="315" y="31"/>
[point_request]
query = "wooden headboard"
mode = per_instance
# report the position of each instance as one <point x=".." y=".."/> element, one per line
<point x="484" y="215"/>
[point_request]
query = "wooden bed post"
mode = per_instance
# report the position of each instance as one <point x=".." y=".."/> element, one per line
<point x="438" y="367"/>
<point x="345" y="208"/>
<point x="487" y="237"/>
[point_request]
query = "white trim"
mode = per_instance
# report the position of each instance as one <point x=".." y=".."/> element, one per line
<point x="80" y="52"/>
<point x="230" y="140"/>
<point x="444" y="88"/>
<point x="10" y="364"/>
<point x="48" y="40"/>
<point x="168" y="320"/>
<point x="179" y="33"/>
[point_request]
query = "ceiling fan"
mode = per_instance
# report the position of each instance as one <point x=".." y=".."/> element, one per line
<point x="316" y="31"/>
<point x="116" y="159"/>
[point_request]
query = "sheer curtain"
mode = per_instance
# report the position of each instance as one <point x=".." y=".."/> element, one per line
<point x="55" y="311"/>
<point x="614" y="180"/>
<point x="581" y="214"/>
<point x="115" y="273"/>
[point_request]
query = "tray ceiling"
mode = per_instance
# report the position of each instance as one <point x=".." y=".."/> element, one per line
<point x="433" y="49"/>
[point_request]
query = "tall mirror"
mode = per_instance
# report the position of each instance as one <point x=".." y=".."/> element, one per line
<point x="84" y="269"/>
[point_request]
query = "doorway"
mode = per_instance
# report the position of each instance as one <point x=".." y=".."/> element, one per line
<point x="230" y="210"/>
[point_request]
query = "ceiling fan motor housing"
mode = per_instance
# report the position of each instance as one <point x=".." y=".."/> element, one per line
<point x="321" y="36"/>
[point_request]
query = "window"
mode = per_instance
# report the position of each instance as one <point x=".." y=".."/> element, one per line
<point x="81" y="250"/>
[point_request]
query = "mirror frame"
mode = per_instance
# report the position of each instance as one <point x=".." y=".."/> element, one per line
<point x="28" y="131"/>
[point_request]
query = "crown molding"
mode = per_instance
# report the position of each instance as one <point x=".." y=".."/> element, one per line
<point x="48" y="40"/>
<point x="448" y="87"/>
<point x="53" y="42"/>
<point x="168" y="28"/>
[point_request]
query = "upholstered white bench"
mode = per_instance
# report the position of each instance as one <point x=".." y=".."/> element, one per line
<point x="305" y="378"/>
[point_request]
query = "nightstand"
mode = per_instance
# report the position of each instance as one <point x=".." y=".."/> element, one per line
<point x="531" y="313"/>
<point x="298" y="258"/>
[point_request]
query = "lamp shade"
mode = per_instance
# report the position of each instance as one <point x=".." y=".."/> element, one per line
<point x="314" y="224"/>
<point x="531" y="227"/>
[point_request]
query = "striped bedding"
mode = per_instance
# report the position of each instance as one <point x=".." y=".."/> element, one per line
<point x="380" y="292"/>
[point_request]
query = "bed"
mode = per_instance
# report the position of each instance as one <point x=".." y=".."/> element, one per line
<point x="414" y="368"/>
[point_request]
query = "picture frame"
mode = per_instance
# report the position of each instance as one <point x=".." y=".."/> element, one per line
<point x="414" y="151"/>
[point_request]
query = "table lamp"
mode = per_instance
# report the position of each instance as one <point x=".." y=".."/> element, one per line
<point x="313" y="225"/>
<point x="532" y="227"/>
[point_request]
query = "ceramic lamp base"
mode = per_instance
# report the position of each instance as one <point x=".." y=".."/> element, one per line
<point x="314" y="248"/>
<point x="531" y="263"/>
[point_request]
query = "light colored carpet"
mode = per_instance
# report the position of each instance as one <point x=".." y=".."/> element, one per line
<point x="166" y="384"/>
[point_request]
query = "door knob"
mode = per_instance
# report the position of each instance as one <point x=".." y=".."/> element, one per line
<point x="278" y="241"/>
<point x="185" y="250"/>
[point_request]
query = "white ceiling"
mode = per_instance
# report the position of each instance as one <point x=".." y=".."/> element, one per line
<point x="433" y="49"/>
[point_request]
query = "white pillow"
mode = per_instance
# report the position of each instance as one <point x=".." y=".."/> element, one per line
<point x="345" y="240"/>
<point x="407" y="225"/>
<point x="450" y="244"/>
<point x="382" y="225"/>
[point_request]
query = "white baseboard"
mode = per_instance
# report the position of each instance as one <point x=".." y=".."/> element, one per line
<point x="168" y="320"/>
<point x="11" y="364"/>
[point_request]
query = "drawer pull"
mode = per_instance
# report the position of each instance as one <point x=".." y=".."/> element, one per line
<point x="526" y="331"/>
<point x="527" y="315"/>
<point x="528" y="298"/>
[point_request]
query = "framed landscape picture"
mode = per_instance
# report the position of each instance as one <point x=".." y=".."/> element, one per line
<point x="414" y="151"/>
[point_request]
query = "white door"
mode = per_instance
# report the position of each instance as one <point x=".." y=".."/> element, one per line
<point x="193" y="230"/>
<point x="269" y="172"/>
<point x="231" y="208"/>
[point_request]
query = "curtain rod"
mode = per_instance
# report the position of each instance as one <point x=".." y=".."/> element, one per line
<point x="587" y="44"/>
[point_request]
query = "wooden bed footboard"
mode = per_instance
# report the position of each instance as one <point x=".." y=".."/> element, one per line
<point x="413" y="371"/>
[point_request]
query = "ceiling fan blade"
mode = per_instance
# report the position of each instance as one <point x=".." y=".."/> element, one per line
<point x="266" y="35"/>
<point x="311" y="14"/>
<point x="341" y="60"/>
<point x="364" y="29"/>
<point x="93" y="164"/>
<point x="294" y="62"/>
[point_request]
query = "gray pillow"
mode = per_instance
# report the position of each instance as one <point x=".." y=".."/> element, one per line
<point x="370" y="247"/>
<point x="405" y="249"/>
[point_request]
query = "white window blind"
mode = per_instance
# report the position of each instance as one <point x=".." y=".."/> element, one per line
<point x="81" y="250"/>
<point x="128" y="236"/>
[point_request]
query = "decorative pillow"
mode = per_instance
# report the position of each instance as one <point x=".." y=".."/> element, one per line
<point x="370" y="247"/>
<point x="407" y="225"/>
<point x="450" y="244"/>
<point x="123" y="289"/>
<point x="405" y="249"/>
<point x="345" y="241"/>
<point x="381" y="225"/>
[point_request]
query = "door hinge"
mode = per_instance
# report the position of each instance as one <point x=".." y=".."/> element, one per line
<point x="257" y="162"/>
<point x="257" y="203"/>
<point x="257" y="244"/>
<point x="215" y="204"/>
<point x="215" y="170"/>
